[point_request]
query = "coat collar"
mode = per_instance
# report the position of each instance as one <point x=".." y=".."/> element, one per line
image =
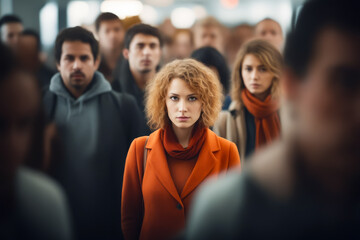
<point x="158" y="162"/>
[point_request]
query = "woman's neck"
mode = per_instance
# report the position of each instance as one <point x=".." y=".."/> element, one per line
<point x="183" y="135"/>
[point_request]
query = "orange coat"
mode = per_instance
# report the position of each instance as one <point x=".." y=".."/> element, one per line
<point x="166" y="210"/>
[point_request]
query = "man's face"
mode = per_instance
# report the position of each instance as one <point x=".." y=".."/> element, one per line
<point x="10" y="33"/>
<point x="328" y="98"/>
<point x="111" y="35"/>
<point x="271" y="32"/>
<point x="77" y="66"/>
<point x="144" y="53"/>
<point x="208" y="36"/>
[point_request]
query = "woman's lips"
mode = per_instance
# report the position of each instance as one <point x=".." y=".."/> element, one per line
<point x="182" y="119"/>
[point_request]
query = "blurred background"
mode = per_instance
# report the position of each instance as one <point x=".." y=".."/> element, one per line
<point x="49" y="16"/>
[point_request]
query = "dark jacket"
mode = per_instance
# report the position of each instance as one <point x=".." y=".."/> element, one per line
<point x="126" y="84"/>
<point x="93" y="183"/>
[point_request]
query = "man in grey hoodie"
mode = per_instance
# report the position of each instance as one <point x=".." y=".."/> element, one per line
<point x="96" y="126"/>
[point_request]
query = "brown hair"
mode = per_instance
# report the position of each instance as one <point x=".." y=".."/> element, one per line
<point x="268" y="55"/>
<point x="200" y="79"/>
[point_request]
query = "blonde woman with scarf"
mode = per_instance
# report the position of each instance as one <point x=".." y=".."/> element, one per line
<point x="252" y="120"/>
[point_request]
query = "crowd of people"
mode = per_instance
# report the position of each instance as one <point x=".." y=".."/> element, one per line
<point x="147" y="132"/>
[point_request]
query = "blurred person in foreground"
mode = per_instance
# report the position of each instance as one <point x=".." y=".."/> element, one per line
<point x="307" y="185"/>
<point x="32" y="206"/>
<point x="11" y="27"/>
<point x="164" y="170"/>
<point x="270" y="30"/>
<point x="96" y="126"/>
<point x="252" y="119"/>
<point x="110" y="31"/>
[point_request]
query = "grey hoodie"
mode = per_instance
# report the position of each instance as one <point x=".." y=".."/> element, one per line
<point x="78" y="119"/>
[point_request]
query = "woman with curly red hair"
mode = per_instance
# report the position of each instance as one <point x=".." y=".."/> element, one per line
<point x="163" y="171"/>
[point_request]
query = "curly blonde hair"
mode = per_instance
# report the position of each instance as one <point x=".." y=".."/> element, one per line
<point x="200" y="79"/>
<point x="268" y="55"/>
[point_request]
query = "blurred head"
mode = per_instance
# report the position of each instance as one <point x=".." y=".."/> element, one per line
<point x="76" y="52"/>
<point x="182" y="43"/>
<point x="270" y="30"/>
<point x="257" y="68"/>
<point x="19" y="114"/>
<point x="143" y="48"/>
<point x="10" y="28"/>
<point x="323" y="77"/>
<point x="209" y="32"/>
<point x="183" y="88"/>
<point x="29" y="49"/>
<point x="215" y="61"/>
<point x="110" y="31"/>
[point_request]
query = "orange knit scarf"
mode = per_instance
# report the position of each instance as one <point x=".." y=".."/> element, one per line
<point x="267" y="120"/>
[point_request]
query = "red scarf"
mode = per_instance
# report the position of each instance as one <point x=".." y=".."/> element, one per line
<point x="267" y="120"/>
<point x="174" y="148"/>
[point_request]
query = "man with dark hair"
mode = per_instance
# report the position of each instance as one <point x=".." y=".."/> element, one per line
<point x="142" y="52"/>
<point x="10" y="29"/>
<point x="96" y="126"/>
<point x="110" y="31"/>
<point x="307" y="185"/>
<point x="28" y="52"/>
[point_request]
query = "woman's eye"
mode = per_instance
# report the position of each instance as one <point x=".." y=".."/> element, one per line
<point x="191" y="99"/>
<point x="174" y="98"/>
<point x="248" y="69"/>
<point x="263" y="69"/>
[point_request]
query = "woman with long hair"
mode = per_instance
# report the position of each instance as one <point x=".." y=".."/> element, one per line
<point x="164" y="170"/>
<point x="253" y="116"/>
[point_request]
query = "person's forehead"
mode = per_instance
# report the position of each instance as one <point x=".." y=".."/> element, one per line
<point x="267" y="25"/>
<point x="76" y="47"/>
<point x="144" y="38"/>
<point x="335" y="47"/>
<point x="110" y="23"/>
<point x="13" y="26"/>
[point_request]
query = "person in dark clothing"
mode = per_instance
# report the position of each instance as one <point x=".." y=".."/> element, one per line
<point x="142" y="52"/>
<point x="110" y="31"/>
<point x="306" y="186"/>
<point x="96" y="126"/>
<point x="216" y="61"/>
<point x="28" y="53"/>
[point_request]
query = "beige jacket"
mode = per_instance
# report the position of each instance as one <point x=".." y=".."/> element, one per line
<point x="231" y="125"/>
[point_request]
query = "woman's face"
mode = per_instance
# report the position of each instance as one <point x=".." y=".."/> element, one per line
<point x="183" y="104"/>
<point x="257" y="78"/>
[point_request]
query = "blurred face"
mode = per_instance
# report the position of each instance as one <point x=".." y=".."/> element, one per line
<point x="182" y="45"/>
<point x="19" y="105"/>
<point x="77" y="66"/>
<point x="183" y="105"/>
<point x="28" y="53"/>
<point x="10" y="33"/>
<point x="271" y="32"/>
<point x="257" y="77"/>
<point x="328" y="98"/>
<point x="111" y="35"/>
<point x="144" y="53"/>
<point x="208" y="36"/>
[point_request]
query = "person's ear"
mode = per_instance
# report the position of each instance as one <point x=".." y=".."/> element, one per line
<point x="290" y="84"/>
<point x="97" y="62"/>
<point x="58" y="66"/>
<point x="126" y="53"/>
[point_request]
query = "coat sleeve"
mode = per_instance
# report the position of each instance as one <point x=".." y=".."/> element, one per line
<point x="234" y="157"/>
<point x="220" y="125"/>
<point x="132" y="199"/>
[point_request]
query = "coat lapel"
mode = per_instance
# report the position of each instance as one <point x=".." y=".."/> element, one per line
<point x="158" y="162"/>
<point x="205" y="163"/>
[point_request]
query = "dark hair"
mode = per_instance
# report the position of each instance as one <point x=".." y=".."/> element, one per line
<point x="315" y="16"/>
<point x="9" y="18"/>
<point x="106" y="16"/>
<point x="7" y="61"/>
<point x="76" y="34"/>
<point x="35" y="34"/>
<point x="213" y="58"/>
<point x="144" y="29"/>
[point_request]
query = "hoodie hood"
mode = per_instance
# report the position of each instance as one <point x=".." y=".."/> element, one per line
<point x="98" y="86"/>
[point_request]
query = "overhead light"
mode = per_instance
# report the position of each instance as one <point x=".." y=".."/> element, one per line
<point x="183" y="17"/>
<point x="149" y="15"/>
<point x="122" y="9"/>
